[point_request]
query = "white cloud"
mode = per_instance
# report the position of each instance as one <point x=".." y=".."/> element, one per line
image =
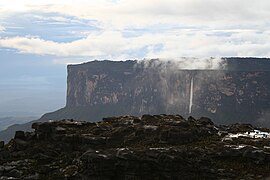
<point x="134" y="13"/>
<point x="167" y="28"/>
<point x="113" y="45"/>
<point x="2" y="29"/>
<point x="93" y="45"/>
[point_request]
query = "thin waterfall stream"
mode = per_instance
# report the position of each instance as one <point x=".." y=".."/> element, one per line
<point x="191" y="96"/>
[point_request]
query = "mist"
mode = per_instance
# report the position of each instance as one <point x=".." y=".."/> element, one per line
<point x="180" y="79"/>
<point x="185" y="63"/>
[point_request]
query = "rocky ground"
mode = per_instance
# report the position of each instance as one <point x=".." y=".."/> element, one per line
<point x="149" y="147"/>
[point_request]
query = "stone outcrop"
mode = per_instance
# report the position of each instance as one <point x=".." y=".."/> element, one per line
<point x="128" y="147"/>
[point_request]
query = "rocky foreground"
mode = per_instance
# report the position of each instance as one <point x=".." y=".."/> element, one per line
<point x="150" y="147"/>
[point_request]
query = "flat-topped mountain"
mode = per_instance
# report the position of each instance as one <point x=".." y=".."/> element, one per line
<point x="237" y="90"/>
<point x="227" y="90"/>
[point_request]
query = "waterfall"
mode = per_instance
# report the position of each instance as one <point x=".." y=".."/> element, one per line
<point x="191" y="96"/>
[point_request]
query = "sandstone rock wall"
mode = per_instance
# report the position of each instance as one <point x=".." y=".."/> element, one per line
<point x="238" y="93"/>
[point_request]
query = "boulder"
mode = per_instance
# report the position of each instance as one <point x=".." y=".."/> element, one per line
<point x="2" y="144"/>
<point x="14" y="173"/>
<point x="205" y="121"/>
<point x="19" y="135"/>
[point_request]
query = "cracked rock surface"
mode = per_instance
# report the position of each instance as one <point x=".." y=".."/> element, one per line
<point x="128" y="147"/>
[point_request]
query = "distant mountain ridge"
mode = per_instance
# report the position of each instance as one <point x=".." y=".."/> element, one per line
<point x="5" y="122"/>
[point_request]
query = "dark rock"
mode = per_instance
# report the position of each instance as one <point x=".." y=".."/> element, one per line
<point x="19" y="135"/>
<point x="60" y="130"/>
<point x="44" y="130"/>
<point x="2" y="144"/>
<point x="8" y="168"/>
<point x="32" y="177"/>
<point x="127" y="147"/>
<point x="234" y="128"/>
<point x="20" y="144"/>
<point x="70" y="171"/>
<point x="110" y="119"/>
<point x="2" y="169"/>
<point x="136" y="120"/>
<point x="254" y="154"/>
<point x="190" y="118"/>
<point x="205" y="121"/>
<point x="148" y="117"/>
<point x="14" y="173"/>
<point x="229" y="153"/>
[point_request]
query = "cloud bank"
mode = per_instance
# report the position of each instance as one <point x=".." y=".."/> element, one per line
<point x="128" y="29"/>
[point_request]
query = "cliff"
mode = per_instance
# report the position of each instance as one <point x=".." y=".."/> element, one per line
<point x="227" y="90"/>
<point x="236" y="92"/>
<point x="128" y="147"/>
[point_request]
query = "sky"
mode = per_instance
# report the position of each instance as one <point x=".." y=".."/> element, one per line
<point x="39" y="38"/>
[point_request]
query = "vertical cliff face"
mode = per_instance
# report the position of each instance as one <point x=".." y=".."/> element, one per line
<point x="127" y="88"/>
<point x="116" y="86"/>
<point x="237" y="93"/>
<point x="233" y="96"/>
<point x="240" y="92"/>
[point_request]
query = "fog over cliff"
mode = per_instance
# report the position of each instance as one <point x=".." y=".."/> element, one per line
<point x="188" y="63"/>
<point x="168" y="68"/>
